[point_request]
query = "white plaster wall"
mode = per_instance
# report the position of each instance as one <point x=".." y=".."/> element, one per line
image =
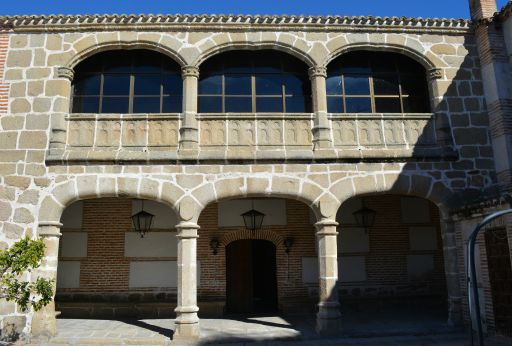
<point x="154" y="244"/>
<point x="156" y="274"/>
<point x="73" y="244"/>
<point x="422" y="238"/>
<point x="415" y="210"/>
<point x="68" y="274"/>
<point x="72" y="216"/>
<point x="353" y="239"/>
<point x="419" y="265"/>
<point x="165" y="218"/>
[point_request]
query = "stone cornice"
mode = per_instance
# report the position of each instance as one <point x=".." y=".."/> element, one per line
<point x="52" y="23"/>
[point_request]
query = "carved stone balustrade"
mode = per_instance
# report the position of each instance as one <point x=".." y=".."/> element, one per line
<point x="254" y="137"/>
<point x="115" y="132"/>
<point x="392" y="131"/>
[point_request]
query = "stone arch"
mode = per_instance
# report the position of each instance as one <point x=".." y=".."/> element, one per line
<point x="84" y="51"/>
<point x="89" y="187"/>
<point x="428" y="61"/>
<point x="417" y="185"/>
<point x="313" y="195"/>
<point x="298" y="53"/>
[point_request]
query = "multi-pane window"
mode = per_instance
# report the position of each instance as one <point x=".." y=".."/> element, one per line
<point x="254" y="81"/>
<point x="375" y="82"/>
<point x="127" y="81"/>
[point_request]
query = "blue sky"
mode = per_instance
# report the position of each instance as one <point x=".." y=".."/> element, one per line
<point x="416" y="8"/>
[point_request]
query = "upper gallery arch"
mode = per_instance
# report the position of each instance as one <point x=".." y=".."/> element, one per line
<point x="127" y="81"/>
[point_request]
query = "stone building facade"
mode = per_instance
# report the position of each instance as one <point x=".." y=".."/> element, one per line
<point x="78" y="176"/>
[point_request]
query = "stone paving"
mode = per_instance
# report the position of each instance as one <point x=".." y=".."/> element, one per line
<point x="274" y="330"/>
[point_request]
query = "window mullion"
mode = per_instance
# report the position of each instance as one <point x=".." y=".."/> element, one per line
<point x="102" y="82"/>
<point x="253" y="92"/>
<point x="372" y="93"/>
<point x="131" y="91"/>
<point x="283" y="91"/>
<point x="161" y="92"/>
<point x="223" y="93"/>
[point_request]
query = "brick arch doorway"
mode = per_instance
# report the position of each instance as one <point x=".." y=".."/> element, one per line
<point x="251" y="281"/>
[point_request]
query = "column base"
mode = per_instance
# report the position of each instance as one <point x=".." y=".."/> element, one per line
<point x="187" y="323"/>
<point x="44" y="322"/>
<point x="328" y="318"/>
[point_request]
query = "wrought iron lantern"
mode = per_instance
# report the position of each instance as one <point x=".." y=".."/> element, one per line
<point x="365" y="217"/>
<point x="142" y="221"/>
<point x="288" y="242"/>
<point x="214" y="245"/>
<point x="253" y="219"/>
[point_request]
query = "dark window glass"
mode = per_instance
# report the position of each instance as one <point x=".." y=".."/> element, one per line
<point x="296" y="104"/>
<point x="172" y="84"/>
<point x="358" y="105"/>
<point x="240" y="104"/>
<point x="210" y="104"/>
<point x="147" y="85"/>
<point x="384" y="82"/>
<point x="237" y="84"/>
<point x="145" y="64"/>
<point x="146" y="104"/>
<point x="89" y="85"/>
<point x="414" y="104"/>
<point x="387" y="105"/>
<point x="335" y="104"/>
<point x="116" y="85"/>
<point x="115" y="105"/>
<point x="294" y="85"/>
<point x="211" y="85"/>
<point x="86" y="104"/>
<point x="242" y="79"/>
<point x="357" y="85"/>
<point x="385" y="85"/>
<point x="269" y="85"/>
<point x="120" y="79"/>
<point x="333" y="85"/>
<point x="269" y="104"/>
<point x="117" y="63"/>
<point x="172" y="104"/>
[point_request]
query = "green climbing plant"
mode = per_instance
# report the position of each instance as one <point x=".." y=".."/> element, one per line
<point x="25" y="255"/>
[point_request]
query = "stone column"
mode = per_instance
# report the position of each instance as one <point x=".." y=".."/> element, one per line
<point x="328" y="317"/>
<point x="58" y="122"/>
<point x="44" y="322"/>
<point x="451" y="270"/>
<point x="321" y="129"/>
<point x="189" y="137"/>
<point x="187" y="322"/>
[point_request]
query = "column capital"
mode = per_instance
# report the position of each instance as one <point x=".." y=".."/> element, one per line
<point x="317" y="71"/>
<point x="435" y="73"/>
<point x="48" y="229"/>
<point x="189" y="71"/>
<point x="326" y="227"/>
<point x="65" y="72"/>
<point x="187" y="230"/>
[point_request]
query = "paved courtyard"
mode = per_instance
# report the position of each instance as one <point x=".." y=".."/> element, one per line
<point x="274" y="330"/>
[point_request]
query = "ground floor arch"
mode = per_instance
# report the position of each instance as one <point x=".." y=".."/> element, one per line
<point x="396" y="264"/>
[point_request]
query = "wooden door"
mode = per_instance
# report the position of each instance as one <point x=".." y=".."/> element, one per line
<point x="500" y="275"/>
<point x="251" y="281"/>
<point x="239" y="276"/>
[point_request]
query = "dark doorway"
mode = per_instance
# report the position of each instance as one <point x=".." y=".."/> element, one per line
<point x="251" y="277"/>
<point x="500" y="276"/>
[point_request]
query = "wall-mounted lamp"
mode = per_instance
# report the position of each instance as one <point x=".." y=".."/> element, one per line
<point x="142" y="221"/>
<point x="288" y="242"/>
<point x="214" y="245"/>
<point x="253" y="219"/>
<point x="365" y="217"/>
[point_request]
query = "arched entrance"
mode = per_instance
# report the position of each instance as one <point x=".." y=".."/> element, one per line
<point x="251" y="281"/>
